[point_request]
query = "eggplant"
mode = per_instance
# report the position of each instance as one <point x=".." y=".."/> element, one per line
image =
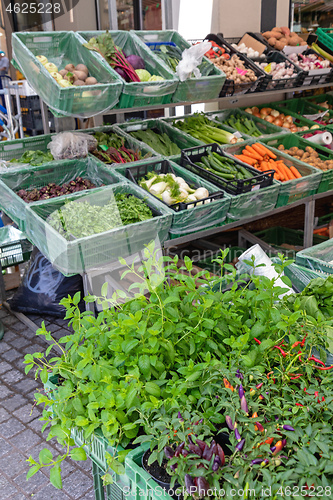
<point x="229" y="423"/>
<point x="195" y="449"/>
<point x="216" y="463"/>
<point x="189" y="484"/>
<point x="221" y="454"/>
<point x="207" y="453"/>
<point x="203" y="486"/>
<point x="240" y="445"/>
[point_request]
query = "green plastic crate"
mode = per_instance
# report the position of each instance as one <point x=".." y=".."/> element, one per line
<point x="320" y="99"/>
<point x="264" y="127"/>
<point x="14" y="247"/>
<point x="183" y="141"/>
<point x="290" y="191"/>
<point x="325" y="36"/>
<point x="214" y="267"/>
<point x="253" y="203"/>
<point x="59" y="172"/>
<point x="294" y="140"/>
<point x="318" y="257"/>
<point x="62" y="48"/>
<point x="142" y="485"/>
<point x="192" y="89"/>
<point x="79" y="255"/>
<point x="139" y="94"/>
<point x="300" y="121"/>
<point x="16" y="148"/>
<point x="302" y="107"/>
<point x="190" y="220"/>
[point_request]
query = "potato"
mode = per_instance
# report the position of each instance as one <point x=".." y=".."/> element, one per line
<point x="303" y="43"/>
<point x="283" y="40"/>
<point x="91" y="80"/>
<point x="80" y="75"/>
<point x="267" y="34"/>
<point x="63" y="72"/>
<point x="79" y="83"/>
<point x="281" y="147"/>
<point x="277" y="35"/>
<point x="272" y="41"/>
<point x="293" y="41"/>
<point x="70" y="67"/>
<point x="279" y="45"/>
<point x="285" y="30"/>
<point x="279" y="30"/>
<point x="82" y="67"/>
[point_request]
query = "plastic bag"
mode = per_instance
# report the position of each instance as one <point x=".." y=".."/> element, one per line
<point x="43" y="287"/>
<point x="69" y="145"/>
<point x="191" y="59"/>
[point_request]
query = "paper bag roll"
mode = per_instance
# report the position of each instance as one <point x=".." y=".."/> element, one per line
<point x="323" y="139"/>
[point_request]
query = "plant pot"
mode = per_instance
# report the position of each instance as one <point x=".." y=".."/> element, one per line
<point x="158" y="473"/>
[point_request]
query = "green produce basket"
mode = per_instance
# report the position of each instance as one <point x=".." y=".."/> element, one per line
<point x="16" y="148"/>
<point x="181" y="140"/>
<point x="214" y="267"/>
<point x="253" y="203"/>
<point x="325" y="219"/>
<point x="303" y="108"/>
<point x="79" y="255"/>
<point x="290" y="191"/>
<point x="320" y="99"/>
<point x="138" y="94"/>
<point x="293" y="140"/>
<point x="142" y="485"/>
<point x="173" y="119"/>
<point x="14" y="247"/>
<point x="130" y="143"/>
<point x="264" y="127"/>
<point x="59" y="172"/>
<point x="300" y="276"/>
<point x="62" y="48"/>
<point x="185" y="220"/>
<point x="192" y="89"/>
<point x="318" y="257"/>
<point x="325" y="37"/>
<point x="299" y="121"/>
<point x="278" y="236"/>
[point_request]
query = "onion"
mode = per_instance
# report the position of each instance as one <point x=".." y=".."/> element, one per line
<point x="269" y="119"/>
<point x="257" y="115"/>
<point x="255" y="110"/>
<point x="201" y="193"/>
<point x="275" y="113"/>
<point x="289" y="118"/>
<point x="286" y="124"/>
<point x="264" y="112"/>
<point x="248" y="110"/>
<point x="293" y="129"/>
<point x="278" y="122"/>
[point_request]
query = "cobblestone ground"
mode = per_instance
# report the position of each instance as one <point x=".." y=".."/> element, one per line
<point x="20" y="434"/>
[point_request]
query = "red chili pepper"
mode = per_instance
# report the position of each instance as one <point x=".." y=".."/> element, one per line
<point x="295" y="344"/>
<point x="259" y="385"/>
<point x="316" y="360"/>
<point x="323" y="399"/>
<point x="297" y="376"/>
<point x="298" y="404"/>
<point x="284" y="354"/>
<point x="257" y="340"/>
<point x="316" y="394"/>
<point x="299" y="357"/>
<point x="227" y="384"/>
<point x="325" y="368"/>
<point x="303" y="341"/>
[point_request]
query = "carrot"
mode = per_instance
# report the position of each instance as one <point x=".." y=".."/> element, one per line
<point x="250" y="155"/>
<point x="246" y="159"/>
<point x="264" y="165"/>
<point x="252" y="151"/>
<point x="265" y="150"/>
<point x="288" y="172"/>
<point x="295" y="172"/>
<point x="281" y="172"/>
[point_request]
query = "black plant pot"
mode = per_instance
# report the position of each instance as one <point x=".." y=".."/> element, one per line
<point x="159" y="472"/>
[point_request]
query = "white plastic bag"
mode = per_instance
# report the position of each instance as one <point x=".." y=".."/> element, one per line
<point x="69" y="145"/>
<point x="191" y="59"/>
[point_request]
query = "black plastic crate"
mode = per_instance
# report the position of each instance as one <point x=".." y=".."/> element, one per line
<point x="230" y="87"/>
<point x="235" y="187"/>
<point x="319" y="79"/>
<point x="30" y="102"/>
<point x="32" y="120"/>
<point x="282" y="83"/>
<point x="236" y="40"/>
<point x="136" y="172"/>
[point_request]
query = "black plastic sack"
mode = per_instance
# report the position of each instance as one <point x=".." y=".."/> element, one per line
<point x="43" y="287"/>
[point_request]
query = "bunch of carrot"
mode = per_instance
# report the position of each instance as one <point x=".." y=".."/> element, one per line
<point x="263" y="159"/>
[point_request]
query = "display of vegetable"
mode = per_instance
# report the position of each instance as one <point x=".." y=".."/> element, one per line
<point x="263" y="159"/>
<point x="235" y="69"/>
<point x="279" y="119"/>
<point x="131" y="68"/>
<point x="248" y="51"/>
<point x="278" y="71"/>
<point x="172" y="189"/>
<point x="308" y="155"/>
<point x="243" y="125"/>
<point x="223" y="167"/>
<point x="309" y="62"/>
<point x="171" y="55"/>
<point x="34" y="158"/>
<point x="159" y="142"/>
<point x="316" y="132"/>
<point x="203" y="129"/>
<point x="216" y="51"/>
<point x="78" y="219"/>
<point x="71" y="75"/>
<point x="280" y="37"/>
<point x="53" y="190"/>
<point x="324" y="104"/>
<point x="322" y="52"/>
<point x="111" y="149"/>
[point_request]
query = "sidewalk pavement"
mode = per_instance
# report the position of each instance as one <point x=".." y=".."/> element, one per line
<point x="20" y="429"/>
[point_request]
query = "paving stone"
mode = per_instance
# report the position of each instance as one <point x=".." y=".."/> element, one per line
<point x="18" y="326"/>
<point x="9" y="321"/>
<point x="5" y="392"/>
<point x="19" y="496"/>
<point x="50" y="493"/>
<point x="76" y="484"/>
<point x="10" y="428"/>
<point x="4" y="346"/>
<point x="53" y="327"/>
<point x="12" y="376"/>
<point x="4" y="313"/>
<point x="9" y="336"/>
<point x="6" y="488"/>
<point x="5" y="447"/>
<point x="89" y="495"/>
<point x="15" y="402"/>
<point x="33" y="484"/>
<point x="25" y="440"/>
<point x="36" y="425"/>
<point x="11" y="355"/>
<point x="20" y="342"/>
<point x="28" y="333"/>
<point x="30" y="349"/>
<point x="4" y="367"/>
<point x="26" y="386"/>
<point x="4" y="415"/>
<point x="27" y="413"/>
<point x="12" y="465"/>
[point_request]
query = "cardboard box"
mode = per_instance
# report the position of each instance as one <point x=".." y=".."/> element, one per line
<point x="252" y="43"/>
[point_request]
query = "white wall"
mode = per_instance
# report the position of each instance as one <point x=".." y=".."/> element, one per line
<point x="82" y="17"/>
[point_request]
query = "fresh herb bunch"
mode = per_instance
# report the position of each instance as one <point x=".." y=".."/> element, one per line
<point x="171" y="347"/>
<point x="34" y="158"/>
<point x="71" y="219"/>
<point x="104" y="45"/>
